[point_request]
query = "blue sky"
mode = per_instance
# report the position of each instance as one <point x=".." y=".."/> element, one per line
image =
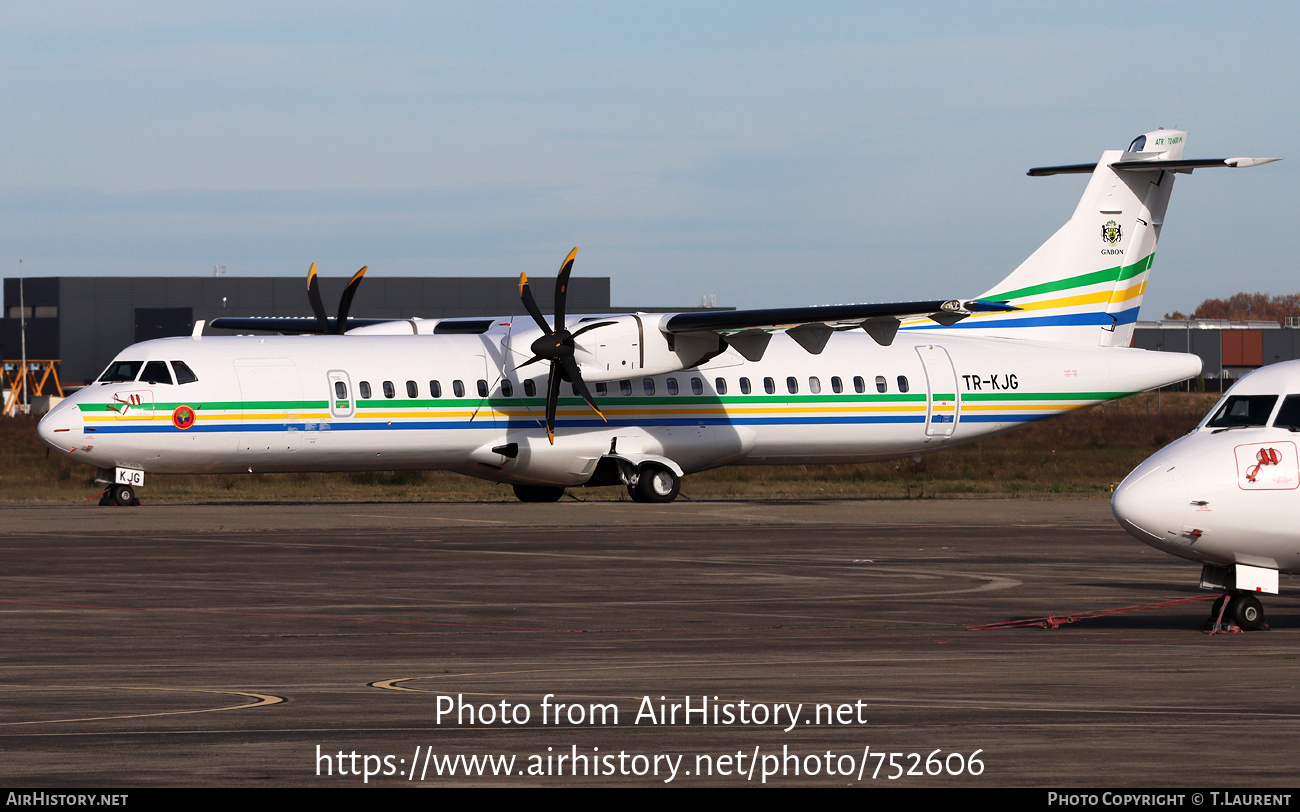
<point x="769" y="153"/>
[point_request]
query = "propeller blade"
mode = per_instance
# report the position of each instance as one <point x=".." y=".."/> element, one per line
<point x="531" y="304"/>
<point x="313" y="296"/>
<point x="570" y="368"/>
<point x="556" y="345"/>
<point x="345" y="304"/>
<point x="562" y="288"/>
<point x="552" y="399"/>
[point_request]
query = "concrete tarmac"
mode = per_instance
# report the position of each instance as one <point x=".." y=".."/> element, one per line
<point x="803" y="643"/>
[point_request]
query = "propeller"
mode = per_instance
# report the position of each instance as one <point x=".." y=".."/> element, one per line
<point x="556" y="345"/>
<point x="345" y="303"/>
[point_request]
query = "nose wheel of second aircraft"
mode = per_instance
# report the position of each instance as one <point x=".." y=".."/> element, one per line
<point x="1244" y="610"/>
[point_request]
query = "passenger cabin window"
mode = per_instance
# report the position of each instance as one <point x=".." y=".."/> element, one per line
<point x="769" y="386"/>
<point x="183" y="372"/>
<point x="412" y="391"/>
<point x="602" y="389"/>
<point x="815" y="385"/>
<point x="625" y="387"/>
<point x="837" y="386"/>
<point x="156" y="372"/>
<point x="859" y="384"/>
<point x="649" y="385"/>
<point x="340" y="391"/>
<point x="389" y="390"/>
<point x="482" y="388"/>
<point x="530" y="388"/>
<point x="792" y="385"/>
<point x="881" y="385"/>
<point x="744" y="386"/>
<point x="672" y="386"/>
<point x="458" y="388"/>
<point x="697" y="386"/>
<point x="903" y="385"/>
<point x="1288" y="417"/>
<point x="720" y="384"/>
<point x="365" y="389"/>
<point x="507" y="388"/>
<point x="121" y="371"/>
<point x="435" y="389"/>
<point x="1243" y="410"/>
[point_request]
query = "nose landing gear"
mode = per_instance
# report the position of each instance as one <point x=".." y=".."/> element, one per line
<point x="1243" y="610"/>
<point x="119" y="495"/>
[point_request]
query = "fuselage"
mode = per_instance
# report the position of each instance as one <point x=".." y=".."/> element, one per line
<point x="1228" y="493"/>
<point x="457" y="402"/>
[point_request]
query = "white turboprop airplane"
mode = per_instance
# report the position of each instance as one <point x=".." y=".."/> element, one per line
<point x="674" y="393"/>
<point x="1228" y="493"/>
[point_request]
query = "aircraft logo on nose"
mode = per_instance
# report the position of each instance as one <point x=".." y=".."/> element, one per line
<point x="122" y="405"/>
<point x="1265" y="456"/>
<point x="1268" y="466"/>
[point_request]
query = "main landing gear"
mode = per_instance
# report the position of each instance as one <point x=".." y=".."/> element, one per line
<point x="654" y="483"/>
<point x="651" y="482"/>
<point x="119" y="495"/>
<point x="1243" y="610"/>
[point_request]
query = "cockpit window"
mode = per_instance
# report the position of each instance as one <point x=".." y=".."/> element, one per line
<point x="1288" y="417"/>
<point x="183" y="372"/>
<point x="120" y="371"/>
<point x="1243" y="410"/>
<point x="156" y="372"/>
<point x="1138" y="144"/>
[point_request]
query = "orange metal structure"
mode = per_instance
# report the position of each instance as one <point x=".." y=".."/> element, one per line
<point x="15" y="380"/>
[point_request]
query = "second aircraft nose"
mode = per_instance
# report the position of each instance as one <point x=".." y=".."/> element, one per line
<point x="1151" y="504"/>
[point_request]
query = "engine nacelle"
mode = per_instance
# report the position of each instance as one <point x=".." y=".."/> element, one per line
<point x="634" y="345"/>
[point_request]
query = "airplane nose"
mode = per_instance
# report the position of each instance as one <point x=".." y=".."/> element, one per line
<point x="61" y="427"/>
<point x="1152" y="505"/>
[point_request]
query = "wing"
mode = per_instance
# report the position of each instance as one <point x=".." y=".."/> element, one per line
<point x="309" y="326"/>
<point x="749" y="330"/>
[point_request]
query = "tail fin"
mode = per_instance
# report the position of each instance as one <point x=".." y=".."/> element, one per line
<point x="1085" y="284"/>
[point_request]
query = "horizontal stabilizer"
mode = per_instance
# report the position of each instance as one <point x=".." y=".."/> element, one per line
<point x="1184" y="166"/>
